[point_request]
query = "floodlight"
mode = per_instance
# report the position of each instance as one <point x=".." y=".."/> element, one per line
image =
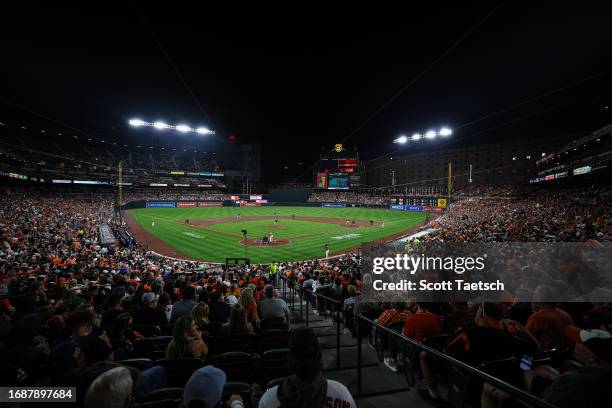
<point x="401" y="140"/>
<point x="430" y="134"/>
<point x="445" y="131"/>
<point x="183" y="128"/>
<point x="136" y="122"/>
<point x="416" y="136"/>
<point x="160" y="125"/>
<point x="202" y="131"/>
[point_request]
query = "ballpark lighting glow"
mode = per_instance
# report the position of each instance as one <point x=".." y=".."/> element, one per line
<point x="179" y="128"/>
<point x="401" y="140"/>
<point x="430" y="134"/>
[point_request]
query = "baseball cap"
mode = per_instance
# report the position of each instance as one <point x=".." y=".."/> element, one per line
<point x="579" y="335"/>
<point x="206" y="384"/>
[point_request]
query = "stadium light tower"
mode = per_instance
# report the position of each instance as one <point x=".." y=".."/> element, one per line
<point x="430" y="134"/>
<point x="182" y="128"/>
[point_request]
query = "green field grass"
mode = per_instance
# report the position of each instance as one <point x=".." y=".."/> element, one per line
<point x="218" y="241"/>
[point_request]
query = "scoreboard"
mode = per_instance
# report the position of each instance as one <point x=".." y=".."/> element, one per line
<point x="422" y="201"/>
<point x="338" y="170"/>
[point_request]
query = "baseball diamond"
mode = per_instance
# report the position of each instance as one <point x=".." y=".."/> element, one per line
<point x="300" y="234"/>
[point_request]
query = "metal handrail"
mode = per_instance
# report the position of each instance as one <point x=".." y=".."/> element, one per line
<point x="504" y="386"/>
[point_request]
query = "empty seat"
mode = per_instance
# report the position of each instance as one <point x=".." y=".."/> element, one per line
<point x="275" y="382"/>
<point x="237" y="365"/>
<point x="179" y="370"/>
<point x="273" y="364"/>
<point x="273" y="339"/>
<point x="237" y="342"/>
<point x="273" y="324"/>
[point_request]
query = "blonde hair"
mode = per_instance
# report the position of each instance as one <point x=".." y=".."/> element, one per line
<point x="199" y="313"/>
<point x="246" y="298"/>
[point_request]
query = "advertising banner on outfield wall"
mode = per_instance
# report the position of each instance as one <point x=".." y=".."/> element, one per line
<point x="249" y="204"/>
<point x="488" y="272"/>
<point x="406" y="207"/>
<point x="186" y="204"/>
<point x="160" y="204"/>
<point x="209" y="204"/>
<point x="334" y="205"/>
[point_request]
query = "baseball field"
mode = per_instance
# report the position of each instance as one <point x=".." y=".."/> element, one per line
<point x="295" y="233"/>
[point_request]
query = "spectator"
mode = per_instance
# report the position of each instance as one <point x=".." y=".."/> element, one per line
<point x="184" y="306"/>
<point x="112" y="388"/>
<point x="548" y="323"/>
<point x="248" y="303"/>
<point x="238" y="323"/>
<point x="200" y="316"/>
<point x="186" y="340"/>
<point x="423" y="323"/>
<point x="306" y="386"/>
<point x="150" y="313"/>
<point x="205" y="389"/>
<point x="273" y="308"/>
<point x="589" y="385"/>
<point x="219" y="310"/>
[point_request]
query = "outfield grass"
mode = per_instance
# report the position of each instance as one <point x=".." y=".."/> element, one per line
<point x="218" y="241"/>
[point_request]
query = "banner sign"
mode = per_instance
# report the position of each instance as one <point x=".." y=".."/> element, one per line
<point x="160" y="204"/>
<point x="255" y="197"/>
<point x="209" y="204"/>
<point x="334" y="205"/>
<point x="186" y="204"/>
<point x="248" y="204"/>
<point x="406" y="207"/>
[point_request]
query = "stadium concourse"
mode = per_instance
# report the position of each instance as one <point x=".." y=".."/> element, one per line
<point x="73" y="309"/>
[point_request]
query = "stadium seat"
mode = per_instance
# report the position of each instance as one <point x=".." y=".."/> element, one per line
<point x="238" y="342"/>
<point x="167" y="403"/>
<point x="171" y="393"/>
<point x="273" y="339"/>
<point x="273" y="364"/>
<point x="179" y="370"/>
<point x="273" y="324"/>
<point x="239" y="388"/>
<point x="139" y="363"/>
<point x="237" y="365"/>
<point x="151" y="347"/>
<point x="147" y="330"/>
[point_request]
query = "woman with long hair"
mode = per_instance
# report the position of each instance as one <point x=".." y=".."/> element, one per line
<point x="238" y="322"/>
<point x="186" y="340"/>
<point x="199" y="313"/>
<point x="247" y="301"/>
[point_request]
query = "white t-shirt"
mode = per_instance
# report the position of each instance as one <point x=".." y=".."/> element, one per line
<point x="338" y="396"/>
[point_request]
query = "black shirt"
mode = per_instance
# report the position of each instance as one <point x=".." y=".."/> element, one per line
<point x="218" y="312"/>
<point x="148" y="315"/>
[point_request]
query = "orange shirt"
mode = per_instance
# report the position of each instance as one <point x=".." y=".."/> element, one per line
<point x="422" y="325"/>
<point x="548" y="326"/>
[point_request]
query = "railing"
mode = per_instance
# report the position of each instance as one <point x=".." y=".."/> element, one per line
<point x="335" y="306"/>
<point x="466" y="369"/>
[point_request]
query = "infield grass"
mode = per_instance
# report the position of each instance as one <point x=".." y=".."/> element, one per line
<point x="219" y="241"/>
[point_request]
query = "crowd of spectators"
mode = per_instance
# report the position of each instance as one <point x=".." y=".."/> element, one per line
<point x="354" y="197"/>
<point x="72" y="311"/>
<point x="569" y="215"/>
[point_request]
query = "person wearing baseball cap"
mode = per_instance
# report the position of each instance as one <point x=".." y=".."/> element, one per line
<point x="589" y="385"/>
<point x="205" y="389"/>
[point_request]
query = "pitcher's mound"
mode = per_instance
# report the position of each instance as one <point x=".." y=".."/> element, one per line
<point x="257" y="242"/>
<point x="276" y="226"/>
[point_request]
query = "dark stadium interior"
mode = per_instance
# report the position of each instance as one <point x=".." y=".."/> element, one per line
<point x="491" y="119"/>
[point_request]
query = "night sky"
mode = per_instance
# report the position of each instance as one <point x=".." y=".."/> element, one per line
<point x="296" y="80"/>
